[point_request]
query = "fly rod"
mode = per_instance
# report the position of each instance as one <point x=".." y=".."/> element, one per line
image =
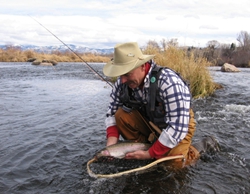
<point x="102" y="78"/>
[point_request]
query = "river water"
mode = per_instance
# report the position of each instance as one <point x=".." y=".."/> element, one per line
<point x="52" y="124"/>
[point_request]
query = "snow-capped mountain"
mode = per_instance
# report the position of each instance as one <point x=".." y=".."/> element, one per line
<point x="61" y="48"/>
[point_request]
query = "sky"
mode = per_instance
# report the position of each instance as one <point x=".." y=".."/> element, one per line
<point x="104" y="23"/>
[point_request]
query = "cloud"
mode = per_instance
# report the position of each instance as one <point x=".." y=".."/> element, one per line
<point x="207" y="27"/>
<point x="160" y="17"/>
<point x="100" y="23"/>
<point x="192" y="16"/>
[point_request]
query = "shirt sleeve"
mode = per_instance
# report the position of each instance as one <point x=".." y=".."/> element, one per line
<point x="176" y="97"/>
<point x="157" y="150"/>
<point x="112" y="131"/>
<point x="114" y="104"/>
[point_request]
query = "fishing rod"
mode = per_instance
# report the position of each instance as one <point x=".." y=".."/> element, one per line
<point x="102" y="78"/>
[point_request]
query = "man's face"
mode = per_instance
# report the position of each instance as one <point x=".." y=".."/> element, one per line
<point x="134" y="78"/>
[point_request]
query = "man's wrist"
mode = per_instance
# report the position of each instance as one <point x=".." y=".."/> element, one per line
<point x="111" y="141"/>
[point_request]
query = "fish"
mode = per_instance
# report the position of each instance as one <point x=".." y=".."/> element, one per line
<point x="119" y="150"/>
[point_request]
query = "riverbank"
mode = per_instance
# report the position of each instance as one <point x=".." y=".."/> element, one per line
<point x="13" y="54"/>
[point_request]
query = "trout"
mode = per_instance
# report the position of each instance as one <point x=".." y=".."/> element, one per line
<point x="119" y="150"/>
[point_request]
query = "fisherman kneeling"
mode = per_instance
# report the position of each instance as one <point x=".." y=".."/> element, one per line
<point x="149" y="104"/>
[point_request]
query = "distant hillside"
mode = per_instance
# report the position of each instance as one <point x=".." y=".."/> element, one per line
<point x="61" y="48"/>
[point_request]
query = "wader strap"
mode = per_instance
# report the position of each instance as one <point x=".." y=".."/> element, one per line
<point x="153" y="90"/>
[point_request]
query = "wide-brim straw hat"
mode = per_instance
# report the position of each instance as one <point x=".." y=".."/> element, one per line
<point x="127" y="56"/>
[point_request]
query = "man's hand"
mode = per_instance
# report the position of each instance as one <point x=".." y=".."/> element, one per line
<point x="139" y="155"/>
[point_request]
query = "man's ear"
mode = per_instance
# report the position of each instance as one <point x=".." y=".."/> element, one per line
<point x="143" y="67"/>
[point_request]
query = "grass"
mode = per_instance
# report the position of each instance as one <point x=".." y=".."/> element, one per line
<point x="17" y="55"/>
<point x="193" y="70"/>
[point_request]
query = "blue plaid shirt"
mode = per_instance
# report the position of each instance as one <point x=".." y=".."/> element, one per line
<point x="176" y="97"/>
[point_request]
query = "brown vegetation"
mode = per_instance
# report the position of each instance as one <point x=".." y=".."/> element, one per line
<point x="13" y="54"/>
<point x="193" y="69"/>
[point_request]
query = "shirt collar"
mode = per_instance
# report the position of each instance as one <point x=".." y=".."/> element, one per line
<point x="146" y="80"/>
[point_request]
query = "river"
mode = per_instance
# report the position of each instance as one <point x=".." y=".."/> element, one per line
<point x="52" y="124"/>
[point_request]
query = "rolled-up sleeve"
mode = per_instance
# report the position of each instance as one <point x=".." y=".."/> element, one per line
<point x="176" y="97"/>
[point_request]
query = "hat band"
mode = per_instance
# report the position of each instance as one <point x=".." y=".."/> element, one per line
<point x="126" y="63"/>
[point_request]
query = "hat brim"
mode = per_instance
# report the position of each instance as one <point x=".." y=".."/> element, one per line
<point x="114" y="70"/>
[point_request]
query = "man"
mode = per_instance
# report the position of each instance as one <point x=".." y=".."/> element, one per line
<point x="149" y="104"/>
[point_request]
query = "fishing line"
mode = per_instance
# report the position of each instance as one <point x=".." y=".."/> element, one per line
<point x="102" y="78"/>
<point x="92" y="174"/>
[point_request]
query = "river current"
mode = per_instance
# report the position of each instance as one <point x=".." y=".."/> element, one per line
<point x="52" y="124"/>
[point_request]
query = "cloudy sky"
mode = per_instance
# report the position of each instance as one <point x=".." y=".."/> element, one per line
<point x="103" y="23"/>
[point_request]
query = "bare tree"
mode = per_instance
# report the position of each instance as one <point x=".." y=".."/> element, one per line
<point x="164" y="44"/>
<point x="244" y="40"/>
<point x="211" y="52"/>
<point x="226" y="53"/>
<point x="213" y="44"/>
<point x="153" y="44"/>
<point x="173" y="42"/>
